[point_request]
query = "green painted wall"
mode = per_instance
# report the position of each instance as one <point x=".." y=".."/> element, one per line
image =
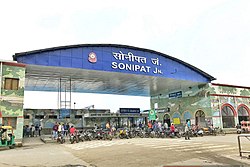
<point x="11" y="104"/>
<point x="192" y="100"/>
<point x="209" y="98"/>
<point x="228" y="95"/>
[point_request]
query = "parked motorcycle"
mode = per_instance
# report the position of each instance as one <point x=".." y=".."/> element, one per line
<point x="74" y="138"/>
<point x="200" y="132"/>
<point x="81" y="136"/>
<point x="99" y="134"/>
<point x="123" y="133"/>
<point x="88" y="136"/>
<point x="174" y="134"/>
<point x="139" y="132"/>
<point x="60" y="138"/>
<point x="196" y="133"/>
<point x="238" y="129"/>
<point x="107" y="135"/>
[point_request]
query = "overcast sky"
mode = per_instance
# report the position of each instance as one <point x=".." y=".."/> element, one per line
<point x="211" y="35"/>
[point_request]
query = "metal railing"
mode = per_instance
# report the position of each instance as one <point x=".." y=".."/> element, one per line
<point x="247" y="136"/>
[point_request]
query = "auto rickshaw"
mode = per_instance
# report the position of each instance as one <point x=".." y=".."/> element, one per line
<point x="245" y="126"/>
<point x="7" y="138"/>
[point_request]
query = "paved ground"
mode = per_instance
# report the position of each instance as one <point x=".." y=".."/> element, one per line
<point x="205" y="151"/>
<point x="209" y="150"/>
<point x="35" y="153"/>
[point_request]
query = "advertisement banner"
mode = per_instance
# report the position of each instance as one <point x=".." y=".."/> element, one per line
<point x="176" y="121"/>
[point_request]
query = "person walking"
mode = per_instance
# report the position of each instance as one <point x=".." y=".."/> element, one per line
<point x="55" y="129"/>
<point x="28" y="131"/>
<point x="63" y="130"/>
<point x="172" y="128"/>
<point x="72" y="130"/>
<point x="66" y="128"/>
<point x="166" y="126"/>
<point x="108" y="126"/>
<point x="160" y="126"/>
<point x="36" y="129"/>
<point x="40" y="130"/>
<point x="186" y="130"/>
<point x="150" y="125"/>
<point x="59" y="130"/>
<point x="33" y="129"/>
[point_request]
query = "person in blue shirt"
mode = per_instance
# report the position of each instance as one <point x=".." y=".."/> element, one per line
<point x="189" y="124"/>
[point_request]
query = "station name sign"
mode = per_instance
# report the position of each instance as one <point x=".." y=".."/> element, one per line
<point x="129" y="110"/>
<point x="175" y="94"/>
<point x="130" y="62"/>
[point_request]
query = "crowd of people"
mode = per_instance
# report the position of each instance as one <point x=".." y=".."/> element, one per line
<point x="62" y="129"/>
<point x="66" y="129"/>
<point x="158" y="126"/>
<point x="32" y="131"/>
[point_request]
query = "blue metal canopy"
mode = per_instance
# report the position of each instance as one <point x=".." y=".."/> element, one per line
<point x="109" y="69"/>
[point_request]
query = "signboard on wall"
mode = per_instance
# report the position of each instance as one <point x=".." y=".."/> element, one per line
<point x="152" y="115"/>
<point x="175" y="94"/>
<point x="176" y="121"/>
<point x="130" y="110"/>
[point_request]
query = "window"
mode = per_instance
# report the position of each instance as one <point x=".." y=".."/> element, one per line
<point x="78" y="116"/>
<point x="242" y="111"/>
<point x="39" y="116"/>
<point x="11" y="83"/>
<point x="9" y="121"/>
<point x="243" y="114"/>
<point x="227" y="117"/>
<point x="52" y="116"/>
<point x="26" y="117"/>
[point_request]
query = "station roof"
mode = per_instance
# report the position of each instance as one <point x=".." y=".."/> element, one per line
<point x="116" y="69"/>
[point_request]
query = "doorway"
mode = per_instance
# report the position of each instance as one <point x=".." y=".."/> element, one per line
<point x="166" y="119"/>
<point x="227" y="117"/>
<point x="200" y="119"/>
<point x="243" y="114"/>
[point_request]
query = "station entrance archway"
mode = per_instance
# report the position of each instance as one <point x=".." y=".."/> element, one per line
<point x="107" y="69"/>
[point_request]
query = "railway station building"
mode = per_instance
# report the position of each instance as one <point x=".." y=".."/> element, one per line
<point x="178" y="91"/>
